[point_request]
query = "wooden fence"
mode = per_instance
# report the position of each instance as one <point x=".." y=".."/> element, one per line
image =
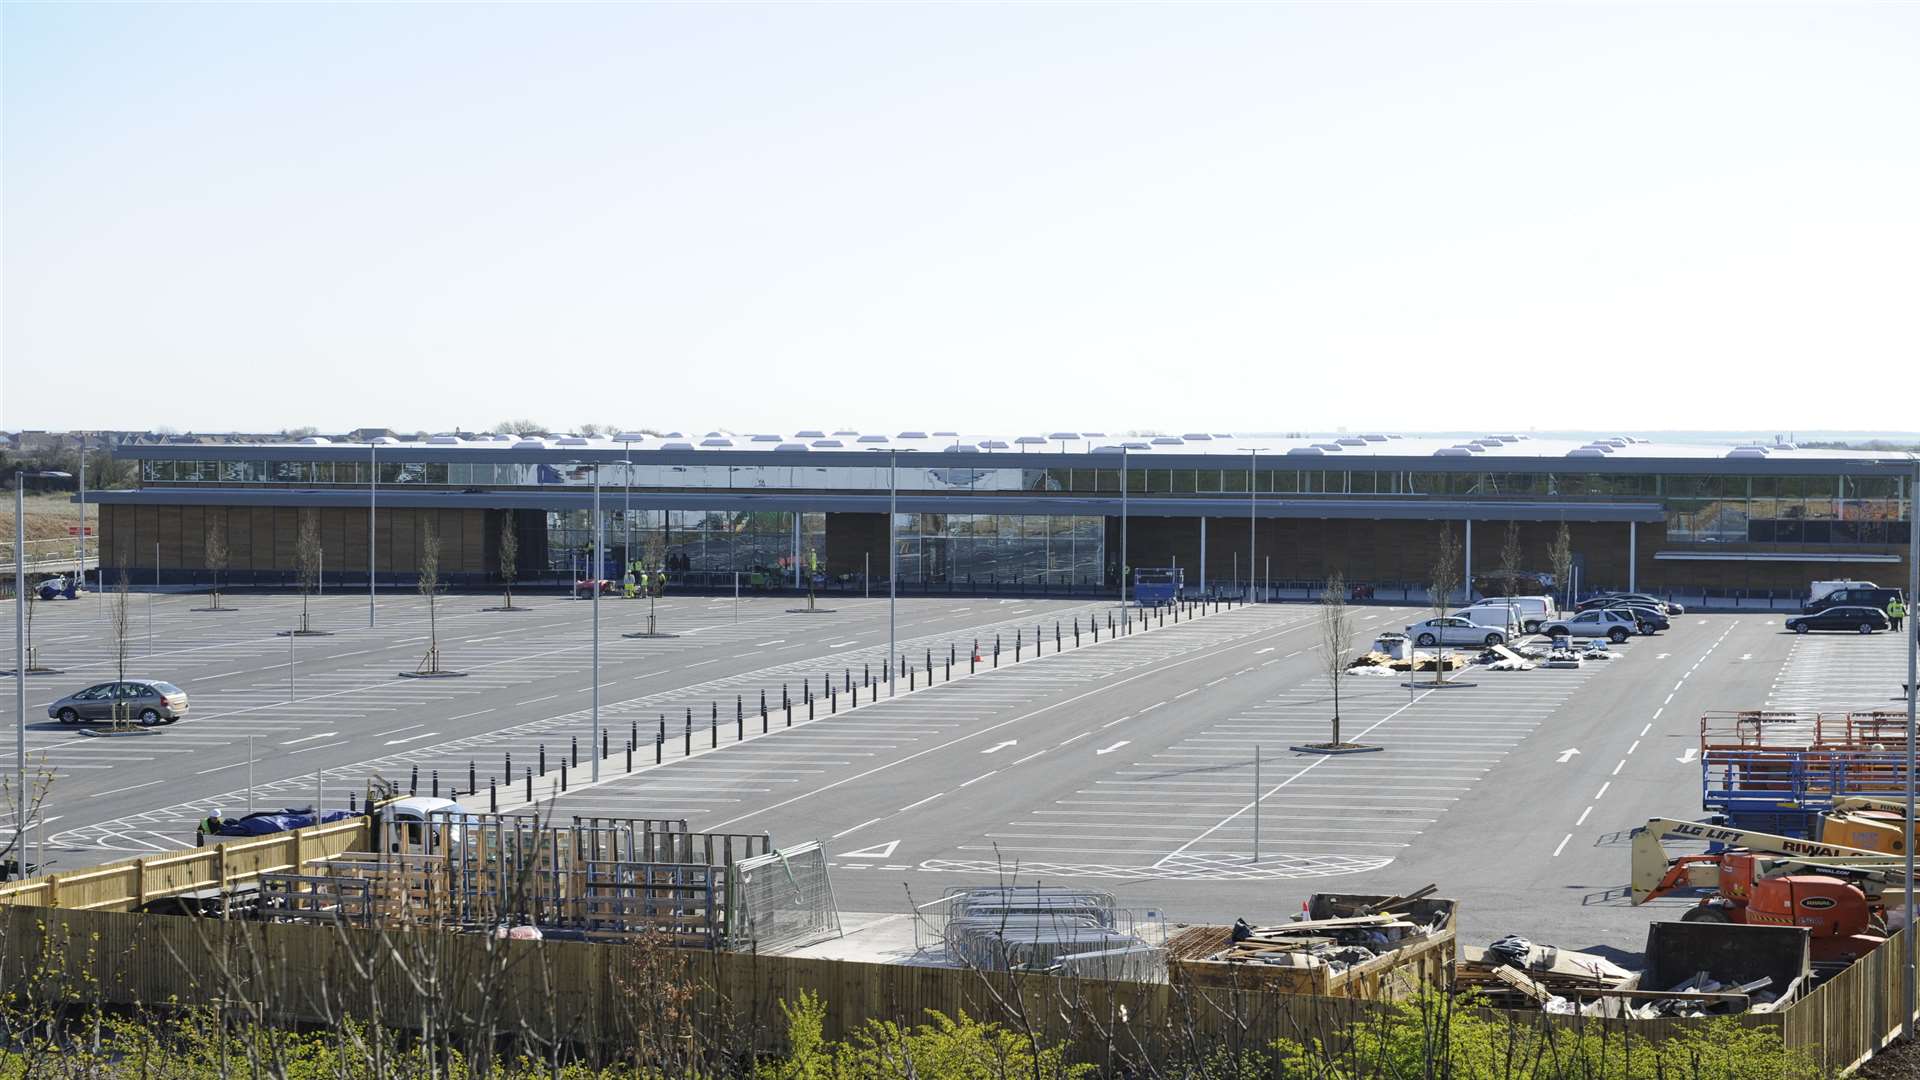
<point x="609" y="995"/>
<point x="130" y="883"/>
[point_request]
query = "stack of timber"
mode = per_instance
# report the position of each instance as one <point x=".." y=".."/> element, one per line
<point x="1348" y="945"/>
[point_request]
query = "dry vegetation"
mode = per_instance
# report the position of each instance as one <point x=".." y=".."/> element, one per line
<point x="49" y="516"/>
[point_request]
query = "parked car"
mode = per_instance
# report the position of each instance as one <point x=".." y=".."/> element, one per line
<point x="1492" y="613"/>
<point x="1861" y="620"/>
<point x="1615" y="626"/>
<point x="149" y="701"/>
<point x="1649" y="620"/>
<point x="1874" y="597"/>
<point x="1533" y="610"/>
<point x="1454" y="630"/>
<point x="1639" y="599"/>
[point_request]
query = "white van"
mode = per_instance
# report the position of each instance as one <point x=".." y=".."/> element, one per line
<point x="1529" y="613"/>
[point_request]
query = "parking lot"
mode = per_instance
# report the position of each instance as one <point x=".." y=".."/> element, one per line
<point x="1131" y="762"/>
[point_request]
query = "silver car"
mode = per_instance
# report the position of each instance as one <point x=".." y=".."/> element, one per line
<point x="1610" y="623"/>
<point x="149" y="701"/>
<point x="1454" y="630"/>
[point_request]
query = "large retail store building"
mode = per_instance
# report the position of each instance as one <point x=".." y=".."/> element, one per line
<point x="1038" y="513"/>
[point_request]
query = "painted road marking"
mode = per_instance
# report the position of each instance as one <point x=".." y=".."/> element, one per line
<point x="1563" y="845"/>
<point x="999" y="746"/>
<point x="310" y="738"/>
<point x="877" y="851"/>
<point x="412" y="738"/>
<point x="1115" y="746"/>
<point x="1567" y="754"/>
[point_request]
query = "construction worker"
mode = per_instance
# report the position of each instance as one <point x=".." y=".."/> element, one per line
<point x="660" y="583"/>
<point x="1896" y="611"/>
<point x="627" y="588"/>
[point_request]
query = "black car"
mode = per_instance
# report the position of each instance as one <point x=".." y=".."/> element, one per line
<point x="1652" y="620"/>
<point x="1873" y="597"/>
<point x="1860" y="620"/>
<point x="1665" y="607"/>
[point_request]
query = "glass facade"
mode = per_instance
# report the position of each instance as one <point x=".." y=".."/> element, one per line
<point x="958" y="549"/>
<point x="1834" y="509"/>
<point x="690" y="541"/>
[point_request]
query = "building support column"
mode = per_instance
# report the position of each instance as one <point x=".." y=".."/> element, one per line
<point x="1633" y="556"/>
<point x="1203" y="554"/>
<point x="1469" y="553"/>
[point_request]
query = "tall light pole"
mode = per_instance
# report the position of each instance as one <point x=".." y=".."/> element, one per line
<point x="20" y="663"/>
<point x="1912" y="501"/>
<point x="1123" y="525"/>
<point x="1253" y="508"/>
<point x="893" y="555"/>
<point x="373" y="485"/>
<point x="594" y="584"/>
<point x="1913" y="694"/>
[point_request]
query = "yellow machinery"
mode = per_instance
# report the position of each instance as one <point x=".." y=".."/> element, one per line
<point x="1877" y="825"/>
<point x="1656" y="873"/>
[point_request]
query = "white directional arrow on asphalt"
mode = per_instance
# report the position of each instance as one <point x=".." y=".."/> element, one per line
<point x="1663" y="656"/>
<point x="877" y="851"/>
<point x="310" y="738"/>
<point x="1567" y="754"/>
<point x="411" y="738"/>
<point x="1687" y="757"/>
<point x="1115" y="746"/>
<point x="1001" y="746"/>
<point x="1746" y="656"/>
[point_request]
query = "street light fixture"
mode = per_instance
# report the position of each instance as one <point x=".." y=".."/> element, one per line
<point x="1253" y="509"/>
<point x="20" y="660"/>
<point x="1913" y="698"/>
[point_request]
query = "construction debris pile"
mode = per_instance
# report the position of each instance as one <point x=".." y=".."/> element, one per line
<point x="1393" y="652"/>
<point x="1727" y="969"/>
<point x="1512" y="658"/>
<point x="1342" y="942"/>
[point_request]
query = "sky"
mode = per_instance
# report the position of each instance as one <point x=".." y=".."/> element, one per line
<point x="984" y="217"/>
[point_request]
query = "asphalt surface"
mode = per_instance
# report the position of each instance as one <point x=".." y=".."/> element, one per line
<point x="338" y="705"/>
<point x="1127" y="765"/>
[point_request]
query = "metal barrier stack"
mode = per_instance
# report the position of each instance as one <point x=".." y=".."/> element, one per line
<point x="1064" y="931"/>
<point x="1777" y="771"/>
<point x="594" y="879"/>
<point x="782" y="899"/>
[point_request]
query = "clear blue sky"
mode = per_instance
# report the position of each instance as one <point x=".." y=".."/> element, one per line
<point x="985" y="217"/>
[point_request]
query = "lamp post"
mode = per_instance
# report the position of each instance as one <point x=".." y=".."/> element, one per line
<point x="893" y="555"/>
<point x="1124" y="572"/>
<point x="599" y="557"/>
<point x="1912" y="502"/>
<point x="1253" y="508"/>
<point x="20" y="662"/>
<point x="373" y="485"/>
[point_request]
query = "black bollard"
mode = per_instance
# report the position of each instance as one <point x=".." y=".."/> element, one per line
<point x="573" y="751"/>
<point x="789" y="712"/>
<point x="659" y="747"/>
<point x="436" y="783"/>
<point x="784" y="702"/>
<point x="603" y="744"/>
<point x="563" y="776"/>
<point x="866" y="674"/>
<point x="688" y="749"/>
<point x="529" y="783"/>
<point x="413" y="782"/>
<point x="833" y="702"/>
<point x="713" y="734"/>
<point x="629" y="757"/>
<point x="493" y="796"/>
<point x="473" y="778"/>
<point x="507" y="770"/>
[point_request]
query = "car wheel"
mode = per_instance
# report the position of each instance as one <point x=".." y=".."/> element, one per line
<point x="1424" y="639"/>
<point x="1866" y="628"/>
<point x="1493" y="639"/>
<point x="1797" y="627"/>
<point x="1616" y="635"/>
<point x="149" y="718"/>
<point x="68" y="716"/>
<point x="1532" y="627"/>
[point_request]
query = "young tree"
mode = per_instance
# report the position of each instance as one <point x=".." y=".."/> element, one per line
<point x="1560" y="555"/>
<point x="32" y="600"/>
<point x="509" y="555"/>
<point x="430" y="588"/>
<point x="1442" y="580"/>
<point x="1336" y="639"/>
<point x="216" y="552"/>
<point x="655" y="546"/>
<point x="1510" y="567"/>
<point x="117" y="614"/>
<point x="306" y="560"/>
